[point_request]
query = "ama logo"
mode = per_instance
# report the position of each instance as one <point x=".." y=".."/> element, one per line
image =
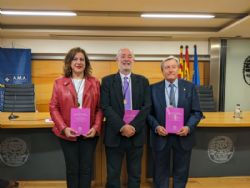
<point x="15" y="79"/>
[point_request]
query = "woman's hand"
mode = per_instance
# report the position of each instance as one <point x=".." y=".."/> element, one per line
<point x="69" y="132"/>
<point x="91" y="133"/>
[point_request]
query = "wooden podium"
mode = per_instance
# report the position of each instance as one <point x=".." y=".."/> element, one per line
<point x="25" y="120"/>
<point x="38" y="120"/>
<point x="224" y="119"/>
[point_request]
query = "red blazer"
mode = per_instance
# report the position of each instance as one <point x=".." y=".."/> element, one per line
<point x="64" y="98"/>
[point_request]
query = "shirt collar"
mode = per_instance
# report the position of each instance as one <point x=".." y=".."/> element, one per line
<point x="167" y="83"/>
<point x="123" y="75"/>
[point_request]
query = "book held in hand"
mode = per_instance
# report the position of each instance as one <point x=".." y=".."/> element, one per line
<point x="80" y="120"/>
<point x="174" y="119"/>
<point x="129" y="115"/>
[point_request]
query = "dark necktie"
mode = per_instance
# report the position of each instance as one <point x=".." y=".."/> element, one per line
<point x="172" y="95"/>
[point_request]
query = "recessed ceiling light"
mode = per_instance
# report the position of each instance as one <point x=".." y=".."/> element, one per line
<point x="189" y="16"/>
<point x="36" y="13"/>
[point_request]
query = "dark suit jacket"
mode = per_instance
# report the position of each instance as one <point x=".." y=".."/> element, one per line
<point x="188" y="99"/>
<point x="113" y="108"/>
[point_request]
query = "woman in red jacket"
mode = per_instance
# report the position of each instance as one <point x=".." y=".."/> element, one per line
<point x="76" y="89"/>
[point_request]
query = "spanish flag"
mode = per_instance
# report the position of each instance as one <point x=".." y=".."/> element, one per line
<point x="181" y="70"/>
<point x="186" y="70"/>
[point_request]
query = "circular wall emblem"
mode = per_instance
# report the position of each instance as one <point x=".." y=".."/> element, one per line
<point x="14" y="152"/>
<point x="220" y="149"/>
<point x="246" y="70"/>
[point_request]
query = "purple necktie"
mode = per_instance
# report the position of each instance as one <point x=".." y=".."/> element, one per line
<point x="126" y="94"/>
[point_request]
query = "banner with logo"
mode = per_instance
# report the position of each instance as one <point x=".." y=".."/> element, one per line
<point x="15" y="67"/>
<point x="1" y="96"/>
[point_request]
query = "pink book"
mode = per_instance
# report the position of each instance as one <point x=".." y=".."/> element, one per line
<point x="174" y="119"/>
<point x="80" y="120"/>
<point x="129" y="115"/>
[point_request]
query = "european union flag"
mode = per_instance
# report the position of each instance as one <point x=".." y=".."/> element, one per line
<point x="196" y="75"/>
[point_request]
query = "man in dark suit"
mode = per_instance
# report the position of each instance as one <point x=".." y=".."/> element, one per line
<point x="164" y="94"/>
<point x="122" y="92"/>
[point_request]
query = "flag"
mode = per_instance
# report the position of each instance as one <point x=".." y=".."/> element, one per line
<point x="196" y="74"/>
<point x="180" y="74"/>
<point x="186" y="70"/>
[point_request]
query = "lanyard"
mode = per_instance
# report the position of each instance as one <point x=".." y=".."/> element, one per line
<point x="77" y="90"/>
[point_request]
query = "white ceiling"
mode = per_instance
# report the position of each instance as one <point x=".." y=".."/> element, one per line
<point x="115" y="19"/>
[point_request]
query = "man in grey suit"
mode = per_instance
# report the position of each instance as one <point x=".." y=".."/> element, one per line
<point x="173" y="92"/>
<point x="122" y="92"/>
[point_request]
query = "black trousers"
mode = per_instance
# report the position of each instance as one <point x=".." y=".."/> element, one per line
<point x="181" y="162"/>
<point x="115" y="156"/>
<point x="79" y="158"/>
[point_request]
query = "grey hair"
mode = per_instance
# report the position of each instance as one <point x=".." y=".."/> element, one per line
<point x="120" y="51"/>
<point x="170" y="58"/>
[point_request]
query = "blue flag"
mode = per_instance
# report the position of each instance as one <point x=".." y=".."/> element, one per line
<point x="196" y="74"/>
<point x="15" y="68"/>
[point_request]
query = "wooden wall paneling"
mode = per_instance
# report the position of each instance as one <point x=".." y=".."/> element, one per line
<point x="204" y="70"/>
<point x="99" y="168"/>
<point x="150" y="70"/>
<point x="44" y="72"/>
<point x="100" y="68"/>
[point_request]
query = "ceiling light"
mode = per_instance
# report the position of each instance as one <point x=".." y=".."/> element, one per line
<point x="36" y="13"/>
<point x="189" y="16"/>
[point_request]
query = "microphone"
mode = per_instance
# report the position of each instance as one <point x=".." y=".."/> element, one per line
<point x="12" y="115"/>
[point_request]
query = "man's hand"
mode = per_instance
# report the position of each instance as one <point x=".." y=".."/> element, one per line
<point x="184" y="131"/>
<point x="127" y="130"/>
<point x="161" y="130"/>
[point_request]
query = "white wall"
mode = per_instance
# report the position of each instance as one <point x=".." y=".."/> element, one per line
<point x="105" y="47"/>
<point x="236" y="91"/>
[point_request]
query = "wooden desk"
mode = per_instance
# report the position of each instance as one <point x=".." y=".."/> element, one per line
<point x="224" y="119"/>
<point x="25" y="120"/>
<point x="37" y="120"/>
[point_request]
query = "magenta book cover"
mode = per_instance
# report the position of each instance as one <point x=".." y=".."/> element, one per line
<point x="80" y="120"/>
<point x="129" y="115"/>
<point x="174" y="119"/>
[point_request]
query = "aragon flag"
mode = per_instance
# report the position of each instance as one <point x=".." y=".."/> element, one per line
<point x="180" y="74"/>
<point x="186" y="70"/>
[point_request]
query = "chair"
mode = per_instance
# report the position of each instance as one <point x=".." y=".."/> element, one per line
<point x="19" y="98"/>
<point x="206" y="98"/>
